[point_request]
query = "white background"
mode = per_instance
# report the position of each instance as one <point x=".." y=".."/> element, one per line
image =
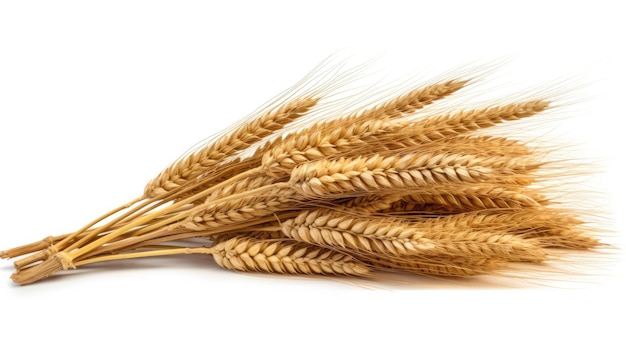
<point x="97" y="97"/>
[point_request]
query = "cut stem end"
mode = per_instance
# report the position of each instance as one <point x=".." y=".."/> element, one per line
<point x="60" y="261"/>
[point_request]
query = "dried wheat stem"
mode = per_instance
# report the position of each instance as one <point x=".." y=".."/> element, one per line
<point x="72" y="236"/>
<point x="148" y="218"/>
<point x="42" y="249"/>
<point x="60" y="261"/>
<point x="162" y="217"/>
<point x="34" y="258"/>
<point x="162" y="235"/>
<point x="140" y="254"/>
<point x="32" y="247"/>
<point x="69" y="242"/>
<point x="86" y="234"/>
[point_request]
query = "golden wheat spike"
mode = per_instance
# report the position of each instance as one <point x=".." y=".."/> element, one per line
<point x="240" y="139"/>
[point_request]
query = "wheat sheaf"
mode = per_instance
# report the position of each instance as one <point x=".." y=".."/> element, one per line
<point x="328" y="181"/>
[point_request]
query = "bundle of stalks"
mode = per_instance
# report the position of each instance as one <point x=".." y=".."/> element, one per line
<point x="303" y="188"/>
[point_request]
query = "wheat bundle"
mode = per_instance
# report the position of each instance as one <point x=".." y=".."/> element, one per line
<point x="306" y="186"/>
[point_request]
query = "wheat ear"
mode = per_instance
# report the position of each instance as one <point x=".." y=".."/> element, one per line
<point x="548" y="228"/>
<point x="400" y="140"/>
<point x="241" y="138"/>
<point x="378" y="243"/>
<point x="438" y="267"/>
<point x="239" y="209"/>
<point x="370" y="203"/>
<point x="345" y="133"/>
<point x="450" y="125"/>
<point x="475" y="197"/>
<point x="411" y="171"/>
<point x="325" y="139"/>
<point x="284" y="256"/>
<point x="397" y="238"/>
<point x="403" y="105"/>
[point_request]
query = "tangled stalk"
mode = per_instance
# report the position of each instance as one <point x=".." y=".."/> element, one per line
<point x="304" y="189"/>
